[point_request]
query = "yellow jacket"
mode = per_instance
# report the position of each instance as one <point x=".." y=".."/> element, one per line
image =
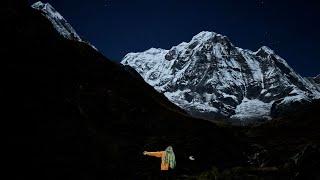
<point x="160" y="154"/>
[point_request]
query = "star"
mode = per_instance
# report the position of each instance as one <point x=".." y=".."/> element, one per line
<point x="106" y="3"/>
<point x="267" y="35"/>
<point x="261" y="3"/>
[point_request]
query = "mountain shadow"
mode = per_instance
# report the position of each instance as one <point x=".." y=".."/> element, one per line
<point x="69" y="112"/>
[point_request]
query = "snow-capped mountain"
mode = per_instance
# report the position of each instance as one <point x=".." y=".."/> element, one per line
<point x="210" y="77"/>
<point x="59" y="23"/>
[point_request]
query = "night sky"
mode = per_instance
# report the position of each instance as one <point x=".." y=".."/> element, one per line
<point x="117" y="27"/>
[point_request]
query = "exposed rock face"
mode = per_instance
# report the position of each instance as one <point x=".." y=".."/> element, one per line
<point x="210" y="77"/>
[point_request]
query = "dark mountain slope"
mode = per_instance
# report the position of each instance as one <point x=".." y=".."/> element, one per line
<point x="291" y="143"/>
<point x="286" y="148"/>
<point x="71" y="113"/>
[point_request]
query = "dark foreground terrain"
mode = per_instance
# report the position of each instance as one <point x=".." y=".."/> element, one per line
<point x="285" y="148"/>
<point x="70" y="113"/>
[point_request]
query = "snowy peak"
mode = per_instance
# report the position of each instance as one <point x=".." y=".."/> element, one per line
<point x="48" y="9"/>
<point x="59" y="23"/>
<point x="264" y="51"/>
<point x="204" y="36"/>
<point x="210" y="77"/>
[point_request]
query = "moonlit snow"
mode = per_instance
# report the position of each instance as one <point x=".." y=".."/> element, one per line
<point x="58" y="22"/>
<point x="209" y="77"/>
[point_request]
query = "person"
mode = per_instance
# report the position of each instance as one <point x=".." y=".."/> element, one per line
<point x="168" y="159"/>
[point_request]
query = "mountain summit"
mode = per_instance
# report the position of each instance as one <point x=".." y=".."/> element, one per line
<point x="211" y="78"/>
<point x="59" y="23"/>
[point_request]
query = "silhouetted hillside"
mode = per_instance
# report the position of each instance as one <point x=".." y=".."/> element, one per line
<point x="72" y="113"/>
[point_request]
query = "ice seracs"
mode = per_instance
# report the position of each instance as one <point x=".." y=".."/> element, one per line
<point x="211" y="78"/>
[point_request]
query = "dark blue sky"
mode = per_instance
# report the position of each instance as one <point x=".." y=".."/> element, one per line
<point x="117" y="27"/>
